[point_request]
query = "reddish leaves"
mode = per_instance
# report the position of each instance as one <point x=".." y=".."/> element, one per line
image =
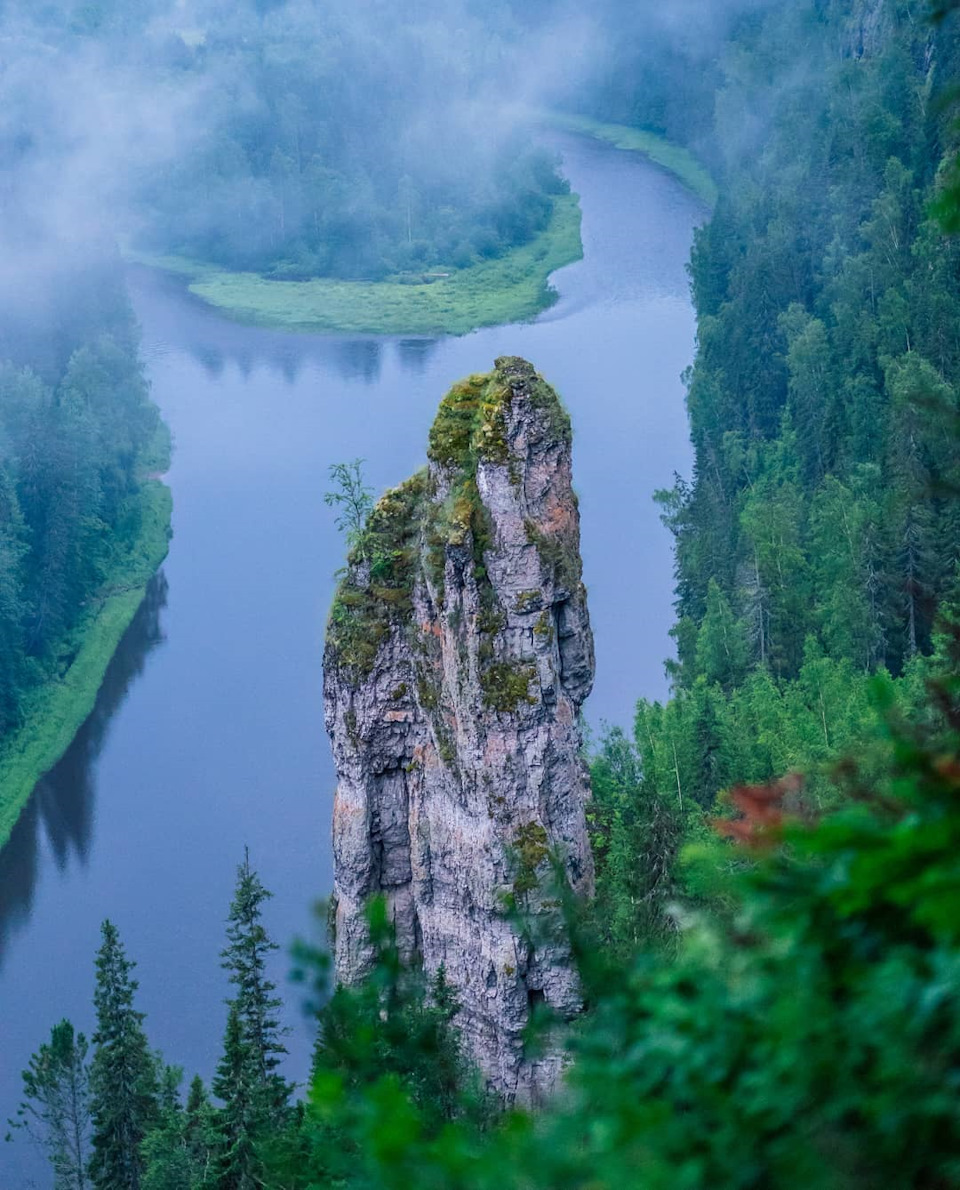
<point x="762" y="811"/>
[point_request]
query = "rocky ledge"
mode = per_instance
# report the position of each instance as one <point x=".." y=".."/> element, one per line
<point x="458" y="654"/>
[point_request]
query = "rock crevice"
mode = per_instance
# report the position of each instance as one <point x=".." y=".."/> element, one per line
<point x="458" y="654"/>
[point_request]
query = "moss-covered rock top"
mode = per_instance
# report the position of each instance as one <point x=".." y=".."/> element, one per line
<point x="471" y="423"/>
<point x="471" y="427"/>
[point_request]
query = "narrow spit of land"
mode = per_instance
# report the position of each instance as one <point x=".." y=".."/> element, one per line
<point x="512" y="288"/>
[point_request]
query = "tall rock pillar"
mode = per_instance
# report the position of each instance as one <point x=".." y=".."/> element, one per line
<point x="458" y="655"/>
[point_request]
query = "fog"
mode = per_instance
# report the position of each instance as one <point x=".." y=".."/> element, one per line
<point x="301" y="138"/>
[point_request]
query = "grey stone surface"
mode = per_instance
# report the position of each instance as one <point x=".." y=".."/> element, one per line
<point x="438" y="788"/>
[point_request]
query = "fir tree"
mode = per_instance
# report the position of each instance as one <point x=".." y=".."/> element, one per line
<point x="255" y="1096"/>
<point x="56" y="1105"/>
<point x="123" y="1075"/>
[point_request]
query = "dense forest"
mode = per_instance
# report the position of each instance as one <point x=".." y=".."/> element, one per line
<point x="819" y="533"/>
<point x="371" y="143"/>
<point x="771" y="962"/>
<point x="77" y="433"/>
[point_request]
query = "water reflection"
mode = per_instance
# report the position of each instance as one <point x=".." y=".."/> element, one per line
<point x="214" y="341"/>
<point x="62" y="808"/>
<point x="416" y="354"/>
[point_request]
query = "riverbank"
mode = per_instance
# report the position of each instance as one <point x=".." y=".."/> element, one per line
<point x="59" y="708"/>
<point x="511" y="288"/>
<point x="676" y="160"/>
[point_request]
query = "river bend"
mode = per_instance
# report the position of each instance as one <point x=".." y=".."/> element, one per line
<point x="208" y="733"/>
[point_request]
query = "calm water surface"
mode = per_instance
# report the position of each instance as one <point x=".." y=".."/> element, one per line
<point x="208" y="734"/>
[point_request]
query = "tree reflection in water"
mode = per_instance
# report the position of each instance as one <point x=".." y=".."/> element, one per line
<point x="61" y="809"/>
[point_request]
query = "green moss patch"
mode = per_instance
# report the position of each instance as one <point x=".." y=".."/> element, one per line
<point x="530" y="849"/>
<point x="506" y="685"/>
<point x="544" y="627"/>
<point x="363" y="613"/>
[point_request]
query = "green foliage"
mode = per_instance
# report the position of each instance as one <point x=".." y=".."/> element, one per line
<point x="387" y="1057"/>
<point x="353" y="498"/>
<point x="168" y="1163"/>
<point x="376" y="591"/>
<point x="82" y="526"/>
<point x="636" y="832"/>
<point x="55" y="1110"/>
<point x="320" y="154"/>
<point x="53" y="711"/>
<point x="824" y="390"/>
<point x="237" y="1124"/>
<point x="806" y="1037"/>
<point x="255" y="1033"/>
<point x="124" y="1083"/>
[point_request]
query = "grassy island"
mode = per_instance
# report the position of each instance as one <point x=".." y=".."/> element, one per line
<point x="508" y="288"/>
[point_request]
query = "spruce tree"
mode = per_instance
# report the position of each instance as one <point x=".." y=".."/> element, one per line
<point x="254" y="1094"/>
<point x="245" y="958"/>
<point x="55" y="1110"/>
<point x="238" y="1121"/>
<point x="123" y="1076"/>
<point x="200" y="1132"/>
<point x="167" y="1164"/>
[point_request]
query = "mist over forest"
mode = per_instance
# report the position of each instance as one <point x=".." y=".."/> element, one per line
<point x="715" y="946"/>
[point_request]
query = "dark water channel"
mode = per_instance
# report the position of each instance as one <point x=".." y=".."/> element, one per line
<point x="208" y="734"/>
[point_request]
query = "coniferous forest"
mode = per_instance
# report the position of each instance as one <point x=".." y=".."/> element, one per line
<point x="770" y="966"/>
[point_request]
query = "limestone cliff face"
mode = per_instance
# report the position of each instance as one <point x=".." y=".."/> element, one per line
<point x="458" y="654"/>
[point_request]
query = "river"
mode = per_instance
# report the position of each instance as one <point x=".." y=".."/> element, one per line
<point x="208" y="734"/>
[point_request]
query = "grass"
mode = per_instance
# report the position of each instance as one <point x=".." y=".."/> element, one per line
<point x="676" y="160"/>
<point x="59" y="708"/>
<point x="511" y="288"/>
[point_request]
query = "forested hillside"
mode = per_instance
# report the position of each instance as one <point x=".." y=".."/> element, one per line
<point x="818" y="534"/>
<point x="362" y="146"/>
<point x="372" y="142"/>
